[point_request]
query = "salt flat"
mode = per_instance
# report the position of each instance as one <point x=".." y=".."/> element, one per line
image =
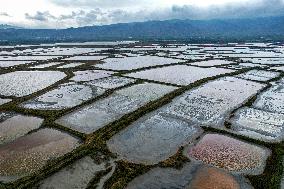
<point x="141" y="115"/>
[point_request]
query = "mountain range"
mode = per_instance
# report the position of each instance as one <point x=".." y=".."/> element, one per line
<point x="233" y="30"/>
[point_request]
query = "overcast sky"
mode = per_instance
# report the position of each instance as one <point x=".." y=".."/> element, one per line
<point x="75" y="13"/>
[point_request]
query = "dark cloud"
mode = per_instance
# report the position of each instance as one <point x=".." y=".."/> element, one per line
<point x="73" y="15"/>
<point x="40" y="16"/>
<point x="258" y="8"/>
<point x="4" y="14"/>
<point x="82" y="18"/>
<point x="254" y="8"/>
<point x="74" y="19"/>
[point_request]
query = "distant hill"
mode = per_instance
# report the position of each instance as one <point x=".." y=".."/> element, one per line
<point x="257" y="29"/>
<point x="6" y="26"/>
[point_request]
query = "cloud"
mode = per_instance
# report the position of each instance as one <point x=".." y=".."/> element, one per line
<point x="40" y="16"/>
<point x="96" y="15"/>
<point x="5" y="14"/>
<point x="73" y="19"/>
<point x="73" y="15"/>
<point x="114" y="11"/>
<point x="100" y="3"/>
<point x="82" y="18"/>
<point x="254" y="8"/>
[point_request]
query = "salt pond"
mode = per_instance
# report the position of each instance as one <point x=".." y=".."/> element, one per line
<point x="4" y="101"/>
<point x="22" y="83"/>
<point x="65" y="96"/>
<point x="186" y="74"/>
<point x="26" y="58"/>
<point x="13" y="127"/>
<point x="90" y="75"/>
<point x="259" y="75"/>
<point x="74" y="176"/>
<point x="153" y="138"/>
<point x="30" y="153"/>
<point x="259" y="124"/>
<point x="272" y="99"/>
<point x="229" y="154"/>
<point x="210" y="63"/>
<point x="46" y="65"/>
<point x="100" y="113"/>
<point x="190" y="176"/>
<point x="278" y="68"/>
<point x="131" y="63"/>
<point x="268" y="61"/>
<point x="86" y="58"/>
<point x="212" y="102"/>
<point x="212" y="178"/>
<point x="6" y="64"/>
<point x="111" y="82"/>
<point x="71" y="65"/>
